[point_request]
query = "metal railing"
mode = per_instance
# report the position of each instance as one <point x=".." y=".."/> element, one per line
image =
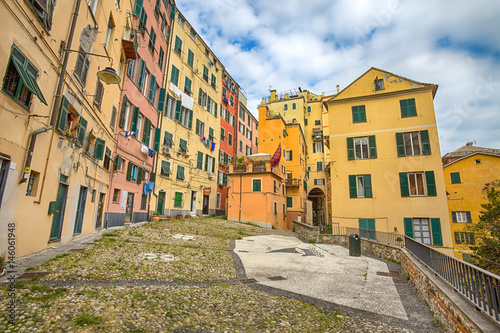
<point x="379" y="236"/>
<point x="479" y="286"/>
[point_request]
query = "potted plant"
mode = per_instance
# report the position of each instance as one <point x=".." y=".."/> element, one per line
<point x="155" y="217"/>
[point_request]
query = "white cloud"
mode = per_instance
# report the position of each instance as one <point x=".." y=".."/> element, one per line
<point x="319" y="44"/>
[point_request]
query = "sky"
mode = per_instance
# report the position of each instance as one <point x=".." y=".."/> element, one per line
<point x="317" y="44"/>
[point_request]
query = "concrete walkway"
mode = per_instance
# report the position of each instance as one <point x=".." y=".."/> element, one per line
<point x="326" y="274"/>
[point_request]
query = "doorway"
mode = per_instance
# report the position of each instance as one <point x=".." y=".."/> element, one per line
<point x="80" y="210"/>
<point x="130" y="207"/>
<point x="161" y="203"/>
<point x="100" y="210"/>
<point x="206" y="199"/>
<point x="58" y="219"/>
<point x="194" y="196"/>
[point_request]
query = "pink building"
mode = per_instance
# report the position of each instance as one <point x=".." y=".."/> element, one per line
<point x="246" y="130"/>
<point x="137" y="129"/>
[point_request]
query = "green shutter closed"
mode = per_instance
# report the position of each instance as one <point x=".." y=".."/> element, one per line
<point x="118" y="162"/>
<point x="199" y="161"/>
<point x="129" y="171"/>
<point x="122" y="115"/>
<point x="174" y="77"/>
<point x="373" y="146"/>
<point x="431" y="183"/>
<point x="135" y="115"/>
<point x="454" y="216"/>
<point x="99" y="149"/>
<point x="147" y="131"/>
<point x="81" y="131"/>
<point x="400" y="144"/>
<point x="156" y="145"/>
<point x="408" y="108"/>
<point x="197" y="128"/>
<point x="190" y="60"/>
<point x="403" y="180"/>
<point x="409" y="227"/>
<point x="152" y="89"/>
<point x="437" y="239"/>
<point x="161" y="99"/>
<point x="178" y="109"/>
<point x="352" y="186"/>
<point x="350" y="148"/>
<point x="368" y="185"/>
<point x="152" y="177"/>
<point x="190" y="123"/>
<point x="63" y="115"/>
<point x="140" y="175"/>
<point x="138" y="7"/>
<point x="172" y="16"/>
<point x="469" y="218"/>
<point x="426" y="145"/>
<point x="142" y="70"/>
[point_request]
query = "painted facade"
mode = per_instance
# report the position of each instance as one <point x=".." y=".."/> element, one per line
<point x="466" y="171"/>
<point x="137" y="126"/>
<point x="56" y="131"/>
<point x="386" y="172"/>
<point x="186" y="181"/>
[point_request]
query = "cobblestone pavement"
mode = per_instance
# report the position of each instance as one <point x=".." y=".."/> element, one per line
<point x="172" y="276"/>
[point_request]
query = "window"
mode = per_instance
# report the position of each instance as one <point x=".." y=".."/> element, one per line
<point x="379" y="84"/>
<point x="217" y="203"/>
<point x="140" y="119"/>
<point x="241" y="128"/>
<point x="284" y="210"/>
<point x="367" y="228"/>
<point x="229" y="139"/>
<point x="360" y="186"/>
<point x="461" y="217"/>
<point x="223" y="112"/>
<point x="174" y="76"/>
<point x="358" y="114"/>
<point x="171" y="104"/>
<point x="165" y="169"/>
<point x="249" y="134"/>
<point x="109" y="32"/>
<point x="242" y="114"/>
<point x="146" y="136"/>
<point x="119" y="163"/>
<point x="200" y="127"/>
<point x="285" y="107"/>
<point x="210" y="134"/>
<point x="305" y="122"/>
<point x="141" y="81"/>
<point x="132" y="69"/>
<point x="82" y="66"/>
<point x="455" y="177"/>
<point x="317" y="122"/>
<point x="161" y="55"/>
<point x="319" y="181"/>
<point x="144" y="86"/>
<point x="107" y="159"/>
<point x="309" y="109"/>
<point x="417" y="183"/>
<point x="205" y="73"/>
<point x="209" y="163"/>
<point x="99" y="149"/>
<point x="213" y="82"/>
<point x="199" y="161"/>
<point x="408" y="108"/>
<point x="178" y="46"/>
<point x="32" y="184"/>
<point x="116" y="195"/>
<point x="187" y="86"/>
<point x="319" y="166"/>
<point x="144" y="201"/>
<point x="183" y="115"/>
<point x="178" y="199"/>
<point x="19" y="81"/>
<point x="112" y="122"/>
<point x="99" y="92"/>
<point x="275" y="208"/>
<point x="190" y="59"/>
<point x="132" y="171"/>
<point x="289" y="202"/>
<point x="43" y="11"/>
<point x="361" y="148"/>
<point x="241" y="146"/>
<point x="182" y="146"/>
<point x="168" y="139"/>
<point x="413" y="143"/>
<point x="464" y="238"/>
<point x="249" y="122"/>
<point x="477" y="161"/>
<point x="248" y="150"/>
<point x="289" y="155"/>
<point x="317" y="147"/>
<point x="212" y="107"/>
<point x="256" y="185"/>
<point x="294" y="106"/>
<point x="180" y="172"/>
<point x="222" y="134"/>
<point x="420" y="230"/>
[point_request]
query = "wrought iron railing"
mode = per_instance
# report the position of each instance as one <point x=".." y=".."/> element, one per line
<point x="379" y="236"/>
<point x="479" y="286"/>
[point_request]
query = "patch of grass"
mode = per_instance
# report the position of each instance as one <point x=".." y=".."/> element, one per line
<point x="87" y="318"/>
<point x="393" y="260"/>
<point x="30" y="269"/>
<point x="53" y="294"/>
<point x="312" y="240"/>
<point x="41" y="289"/>
<point x="140" y="296"/>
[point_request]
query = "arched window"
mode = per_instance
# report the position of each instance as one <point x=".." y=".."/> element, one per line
<point x="285" y="107"/>
<point x="309" y="109"/>
<point x="294" y="106"/>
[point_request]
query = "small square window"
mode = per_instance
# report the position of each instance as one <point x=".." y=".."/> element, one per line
<point x="477" y="161"/>
<point x="455" y="177"/>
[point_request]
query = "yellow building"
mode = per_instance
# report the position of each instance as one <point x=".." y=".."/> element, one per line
<point x="57" y="131"/>
<point x="466" y="171"/>
<point x="187" y="164"/>
<point x="385" y="162"/>
<point x="306" y="109"/>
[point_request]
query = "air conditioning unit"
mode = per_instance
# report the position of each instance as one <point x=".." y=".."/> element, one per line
<point x="210" y="175"/>
<point x="166" y="151"/>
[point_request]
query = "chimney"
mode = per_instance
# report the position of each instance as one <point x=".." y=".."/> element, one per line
<point x="338" y="88"/>
<point x="273" y="95"/>
<point x="469" y="144"/>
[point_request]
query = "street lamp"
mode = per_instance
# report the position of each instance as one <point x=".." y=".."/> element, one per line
<point x="108" y="74"/>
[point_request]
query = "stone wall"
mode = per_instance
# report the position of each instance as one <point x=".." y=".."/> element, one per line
<point x="453" y="311"/>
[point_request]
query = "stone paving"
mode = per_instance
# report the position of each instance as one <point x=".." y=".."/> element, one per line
<point x="171" y="276"/>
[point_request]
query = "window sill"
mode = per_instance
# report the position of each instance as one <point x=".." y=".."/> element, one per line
<point x="19" y="102"/>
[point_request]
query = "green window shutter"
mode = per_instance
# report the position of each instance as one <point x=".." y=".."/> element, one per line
<point x="362" y="115"/>
<point x="174" y="77"/>
<point x="182" y="176"/>
<point x="215" y="110"/>
<point x="122" y="115"/>
<point x="368" y="186"/>
<point x="454" y="216"/>
<point x="190" y="60"/>
<point x="469" y="218"/>
<point x="455" y="177"/>
<point x="199" y="161"/>
<point x="426" y="145"/>
<point x="400" y="144"/>
<point x="178" y="44"/>
<point x="257" y="186"/>
<point x="161" y="99"/>
<point x="437" y="239"/>
<point x="172" y="14"/>
<point x="403" y="180"/>
<point x="147" y="131"/>
<point x="210" y="133"/>
<point x="152" y="177"/>
<point x="206" y="162"/>
<point x="457" y="237"/>
<point x="142" y="70"/>
<point x="178" y="109"/>
<point x="135" y="115"/>
<point x="197" y="128"/>
<point x="156" y="145"/>
<point x="138" y="7"/>
<point x="199" y="96"/>
<point x="168" y="34"/>
<point x="350" y="148"/>
<point x="352" y="187"/>
<point x="190" y="123"/>
<point x="289" y="202"/>
<point x="99" y="149"/>
<point x="152" y="89"/>
<point x="118" y="162"/>
<point x="187" y="84"/>
<point x="431" y="183"/>
<point x="373" y="146"/>
<point x="314" y="148"/>
<point x="81" y="131"/>
<point x="408" y="108"/>
<point x="404" y="108"/>
<point x="409" y="227"/>
<point x="139" y="175"/>
<point x="63" y="114"/>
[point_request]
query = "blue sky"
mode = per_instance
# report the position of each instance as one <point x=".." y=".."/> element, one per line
<point x="321" y="43"/>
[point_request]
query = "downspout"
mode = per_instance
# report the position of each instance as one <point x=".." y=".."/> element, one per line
<point x="58" y="92"/>
<point x="27" y="165"/>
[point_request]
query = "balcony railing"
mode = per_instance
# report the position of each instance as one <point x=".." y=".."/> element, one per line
<point x="292" y="182"/>
<point x="379" y="236"/>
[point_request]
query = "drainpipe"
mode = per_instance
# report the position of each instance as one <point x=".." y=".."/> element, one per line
<point x="27" y="165"/>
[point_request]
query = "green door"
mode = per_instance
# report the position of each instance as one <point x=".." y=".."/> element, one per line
<point x="80" y="210"/>
<point x="161" y="202"/>
<point x="57" y="221"/>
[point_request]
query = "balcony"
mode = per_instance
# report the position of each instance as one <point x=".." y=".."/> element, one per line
<point x="292" y="182"/>
<point x="317" y="134"/>
<point x="129" y="43"/>
<point x="256" y="167"/>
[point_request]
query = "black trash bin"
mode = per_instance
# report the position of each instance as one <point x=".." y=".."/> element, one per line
<point x="354" y="245"/>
